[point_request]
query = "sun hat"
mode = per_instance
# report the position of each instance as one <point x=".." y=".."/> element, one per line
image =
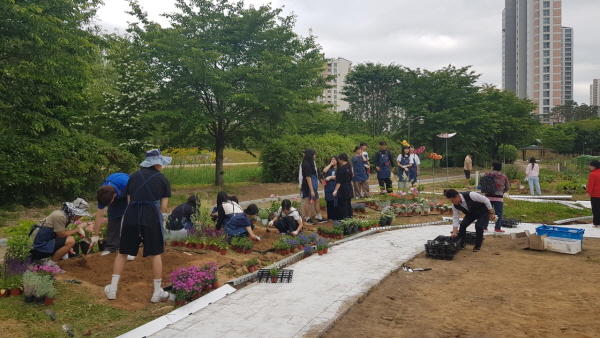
<point x="154" y="157"/>
<point x="79" y="207"/>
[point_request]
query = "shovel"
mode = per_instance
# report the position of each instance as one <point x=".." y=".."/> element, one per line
<point x="409" y="269"/>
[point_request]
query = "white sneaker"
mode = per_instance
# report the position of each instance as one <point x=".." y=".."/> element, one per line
<point x="105" y="252"/>
<point x="160" y="296"/>
<point x="110" y="292"/>
<point x="50" y="262"/>
<point x="130" y="257"/>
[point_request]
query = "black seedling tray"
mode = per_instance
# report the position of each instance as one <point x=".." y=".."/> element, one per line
<point x="510" y="223"/>
<point x="442" y="247"/>
<point x="284" y="276"/>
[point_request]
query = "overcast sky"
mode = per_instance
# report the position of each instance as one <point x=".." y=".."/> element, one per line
<point x="427" y="34"/>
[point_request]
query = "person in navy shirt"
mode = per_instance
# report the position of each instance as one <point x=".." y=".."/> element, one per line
<point x="111" y="194"/>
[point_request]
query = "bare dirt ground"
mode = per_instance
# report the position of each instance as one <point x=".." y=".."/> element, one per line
<point x="497" y="292"/>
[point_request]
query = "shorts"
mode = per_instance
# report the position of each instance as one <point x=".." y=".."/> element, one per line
<point x="151" y="236"/>
<point x="467" y="174"/>
<point x="305" y="192"/>
<point x="59" y="242"/>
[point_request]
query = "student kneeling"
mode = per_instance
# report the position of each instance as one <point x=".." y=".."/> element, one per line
<point x="288" y="219"/>
<point x="240" y="224"/>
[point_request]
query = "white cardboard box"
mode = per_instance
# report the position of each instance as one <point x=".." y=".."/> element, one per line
<point x="564" y="245"/>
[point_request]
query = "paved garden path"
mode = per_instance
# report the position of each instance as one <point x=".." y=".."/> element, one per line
<point x="323" y="289"/>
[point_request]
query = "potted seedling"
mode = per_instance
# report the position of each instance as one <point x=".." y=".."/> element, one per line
<point x="252" y="264"/>
<point x="247" y="244"/>
<point x="308" y="250"/>
<point x="31" y="281"/>
<point x="322" y="204"/>
<point x="43" y="287"/>
<point x="263" y="213"/>
<point x="223" y="247"/>
<point x="321" y="244"/>
<point x="292" y="244"/>
<point x="50" y="294"/>
<point x="274" y="272"/>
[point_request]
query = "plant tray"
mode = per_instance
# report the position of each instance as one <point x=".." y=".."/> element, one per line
<point x="284" y="276"/>
<point x="510" y="223"/>
<point x="442" y="247"/>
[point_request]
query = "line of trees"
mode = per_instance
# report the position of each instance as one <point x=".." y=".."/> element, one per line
<point x="77" y="103"/>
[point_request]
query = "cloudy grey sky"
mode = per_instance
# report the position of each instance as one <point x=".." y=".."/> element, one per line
<point x="427" y="34"/>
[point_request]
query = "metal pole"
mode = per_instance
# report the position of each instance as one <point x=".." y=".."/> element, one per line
<point x="447" y="180"/>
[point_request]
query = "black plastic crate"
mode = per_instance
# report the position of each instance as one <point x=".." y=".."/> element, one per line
<point x="510" y="223"/>
<point x="284" y="276"/>
<point x="442" y="247"/>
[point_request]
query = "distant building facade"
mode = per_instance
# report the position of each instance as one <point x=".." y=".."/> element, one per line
<point x="537" y="54"/>
<point x="339" y="68"/>
<point x="595" y="93"/>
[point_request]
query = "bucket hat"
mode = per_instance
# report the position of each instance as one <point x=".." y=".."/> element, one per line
<point x="79" y="207"/>
<point x="154" y="157"/>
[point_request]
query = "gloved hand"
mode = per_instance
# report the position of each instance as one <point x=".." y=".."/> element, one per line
<point x="95" y="240"/>
<point x="270" y="223"/>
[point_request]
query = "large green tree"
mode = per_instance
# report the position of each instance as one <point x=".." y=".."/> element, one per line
<point x="236" y="69"/>
<point x="572" y="111"/>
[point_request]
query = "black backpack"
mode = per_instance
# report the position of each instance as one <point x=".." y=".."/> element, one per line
<point x="488" y="184"/>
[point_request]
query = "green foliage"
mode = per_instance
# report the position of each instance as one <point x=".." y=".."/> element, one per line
<point x="57" y="167"/>
<point x="205" y="175"/>
<point x="20" y="230"/>
<point x="540" y="212"/>
<point x="507" y="153"/>
<point x="571" y="111"/>
<point x="513" y="172"/>
<point x="560" y="137"/>
<point x="252" y="262"/>
<point x="17" y="247"/>
<point x="280" y="159"/>
<point x="231" y="69"/>
<point x="274" y="272"/>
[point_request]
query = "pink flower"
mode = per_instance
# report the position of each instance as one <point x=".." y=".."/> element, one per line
<point x="403" y="193"/>
<point x="272" y="196"/>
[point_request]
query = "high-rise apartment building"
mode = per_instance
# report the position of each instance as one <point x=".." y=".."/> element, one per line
<point x="537" y="54"/>
<point x="595" y="93"/>
<point x="338" y="68"/>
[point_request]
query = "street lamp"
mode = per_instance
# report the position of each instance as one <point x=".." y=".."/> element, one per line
<point x="415" y="118"/>
<point x="446" y="136"/>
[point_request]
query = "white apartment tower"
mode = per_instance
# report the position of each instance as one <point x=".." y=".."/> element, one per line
<point x="338" y="68"/>
<point x="537" y="54"/>
<point x="595" y="93"/>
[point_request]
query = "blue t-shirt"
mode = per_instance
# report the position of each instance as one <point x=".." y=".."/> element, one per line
<point x="237" y="225"/>
<point x="119" y="204"/>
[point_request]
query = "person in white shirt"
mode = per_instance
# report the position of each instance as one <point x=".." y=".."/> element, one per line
<point x="415" y="168"/>
<point x="532" y="175"/>
<point x="287" y="219"/>
<point x="477" y="208"/>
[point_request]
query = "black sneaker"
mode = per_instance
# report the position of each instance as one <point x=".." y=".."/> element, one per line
<point x="322" y="220"/>
<point x="476" y="249"/>
<point x="310" y="221"/>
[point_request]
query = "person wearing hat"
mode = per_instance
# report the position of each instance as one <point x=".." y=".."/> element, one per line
<point x="148" y="192"/>
<point x="112" y="195"/>
<point x="593" y="190"/>
<point x="240" y="224"/>
<point x="51" y="238"/>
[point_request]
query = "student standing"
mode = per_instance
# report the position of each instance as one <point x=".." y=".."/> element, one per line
<point x="593" y="190"/>
<point x="343" y="187"/>
<point x="415" y="166"/>
<point x="309" y="187"/>
<point x="332" y="202"/>
<point x="148" y="192"/>
<point x="468" y="166"/>
<point x="497" y="197"/>
<point x="404" y="166"/>
<point x="532" y="175"/>
<point x="359" y="181"/>
<point x="384" y="161"/>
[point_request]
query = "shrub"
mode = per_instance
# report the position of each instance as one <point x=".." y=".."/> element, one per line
<point x="280" y="159"/>
<point x="57" y="167"/>
<point x="507" y="153"/>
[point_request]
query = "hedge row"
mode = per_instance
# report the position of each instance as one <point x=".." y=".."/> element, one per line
<point x="281" y="158"/>
<point x="54" y="168"/>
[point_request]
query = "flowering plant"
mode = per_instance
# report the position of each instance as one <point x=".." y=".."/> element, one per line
<point x="51" y="270"/>
<point x="307" y="250"/>
<point x="191" y="280"/>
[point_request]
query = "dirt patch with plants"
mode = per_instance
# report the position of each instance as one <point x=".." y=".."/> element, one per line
<point x="497" y="292"/>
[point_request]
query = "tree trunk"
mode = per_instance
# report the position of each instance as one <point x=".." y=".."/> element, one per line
<point x="219" y="148"/>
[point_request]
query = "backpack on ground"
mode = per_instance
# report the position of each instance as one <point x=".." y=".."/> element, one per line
<point x="488" y="184"/>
